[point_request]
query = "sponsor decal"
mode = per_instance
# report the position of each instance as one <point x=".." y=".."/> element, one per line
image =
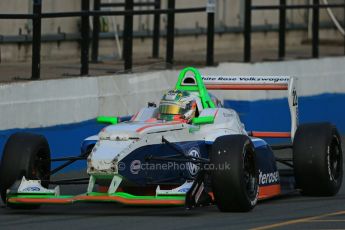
<point x="121" y="166"/>
<point x="193" y="168"/>
<point x="268" y="178"/>
<point x="32" y="189"/>
<point x="246" y="79"/>
<point x="171" y="96"/>
<point x="185" y="190"/>
<point x="135" y="167"/>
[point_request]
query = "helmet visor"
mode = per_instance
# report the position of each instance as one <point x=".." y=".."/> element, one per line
<point x="170" y="109"/>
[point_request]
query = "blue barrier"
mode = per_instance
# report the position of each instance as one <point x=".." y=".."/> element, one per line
<point x="274" y="115"/>
<point x="261" y="115"/>
<point x="64" y="140"/>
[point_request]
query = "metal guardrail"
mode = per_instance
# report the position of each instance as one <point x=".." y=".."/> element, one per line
<point x="282" y="7"/>
<point x="147" y="34"/>
<point x="128" y="14"/>
<point x="170" y="11"/>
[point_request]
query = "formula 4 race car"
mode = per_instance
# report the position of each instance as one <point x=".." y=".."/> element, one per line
<point x="189" y="151"/>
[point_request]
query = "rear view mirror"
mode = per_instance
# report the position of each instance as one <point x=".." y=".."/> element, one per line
<point x="108" y="120"/>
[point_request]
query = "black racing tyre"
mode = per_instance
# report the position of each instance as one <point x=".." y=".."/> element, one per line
<point x="236" y="187"/>
<point x="318" y="159"/>
<point x="24" y="154"/>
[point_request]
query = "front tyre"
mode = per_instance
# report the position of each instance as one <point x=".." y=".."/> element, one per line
<point x="318" y="159"/>
<point x="234" y="175"/>
<point x="25" y="154"/>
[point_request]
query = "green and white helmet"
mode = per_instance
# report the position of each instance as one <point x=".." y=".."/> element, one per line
<point x="178" y="105"/>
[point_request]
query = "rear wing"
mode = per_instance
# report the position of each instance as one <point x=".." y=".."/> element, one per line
<point x="196" y="82"/>
<point x="285" y="83"/>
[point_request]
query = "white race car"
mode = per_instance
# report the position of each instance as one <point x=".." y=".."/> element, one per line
<point x="188" y="150"/>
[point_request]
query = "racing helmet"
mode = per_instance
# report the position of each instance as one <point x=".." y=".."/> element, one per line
<point x="177" y="105"/>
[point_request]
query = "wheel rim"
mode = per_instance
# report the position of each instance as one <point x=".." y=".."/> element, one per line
<point x="250" y="176"/>
<point x="335" y="159"/>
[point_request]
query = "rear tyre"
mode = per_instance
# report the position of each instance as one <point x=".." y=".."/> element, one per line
<point x="318" y="159"/>
<point x="235" y="188"/>
<point x="28" y="155"/>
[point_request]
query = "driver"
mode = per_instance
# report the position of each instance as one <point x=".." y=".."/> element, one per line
<point x="178" y="105"/>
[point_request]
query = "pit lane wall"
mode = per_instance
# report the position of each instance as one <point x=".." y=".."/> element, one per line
<point x="65" y="110"/>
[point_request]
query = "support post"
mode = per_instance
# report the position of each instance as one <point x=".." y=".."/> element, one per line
<point x="95" y="32"/>
<point x="247" y="30"/>
<point x="282" y="29"/>
<point x="170" y="33"/>
<point x="85" y="38"/>
<point x="210" y="39"/>
<point x="36" y="40"/>
<point x="128" y="36"/>
<point x="316" y="21"/>
<point x="156" y="30"/>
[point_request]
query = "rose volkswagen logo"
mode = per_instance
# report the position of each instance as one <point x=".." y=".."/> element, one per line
<point x="135" y="167"/>
<point x="193" y="168"/>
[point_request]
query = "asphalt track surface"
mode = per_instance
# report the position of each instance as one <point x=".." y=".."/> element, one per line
<point x="287" y="212"/>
